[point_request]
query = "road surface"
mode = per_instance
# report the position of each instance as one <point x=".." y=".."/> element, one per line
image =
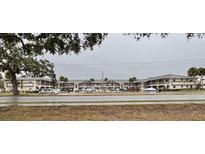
<point x="94" y="99"/>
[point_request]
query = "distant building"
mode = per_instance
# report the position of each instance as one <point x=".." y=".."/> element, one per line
<point x="70" y="86"/>
<point x="99" y="85"/>
<point x="29" y="84"/>
<point x="163" y="82"/>
<point x="168" y="82"/>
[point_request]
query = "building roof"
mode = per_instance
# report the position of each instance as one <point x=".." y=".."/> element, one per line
<point x="167" y="76"/>
<point x="100" y="81"/>
<point x="37" y="78"/>
<point x="72" y="81"/>
<point x="121" y="81"/>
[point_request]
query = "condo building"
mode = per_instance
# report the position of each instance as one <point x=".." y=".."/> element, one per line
<point x="168" y="82"/>
<point x="29" y="84"/>
<point x="163" y="82"/>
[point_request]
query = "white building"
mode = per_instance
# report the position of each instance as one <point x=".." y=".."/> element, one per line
<point x="163" y="82"/>
<point x="29" y="84"/>
<point x="168" y="82"/>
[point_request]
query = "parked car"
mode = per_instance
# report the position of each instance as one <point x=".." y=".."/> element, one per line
<point x="151" y="90"/>
<point x="90" y="90"/>
<point x="49" y="92"/>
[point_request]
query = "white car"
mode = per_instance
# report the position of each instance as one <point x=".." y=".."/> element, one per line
<point x="89" y="90"/>
<point x="151" y="90"/>
<point x="49" y="92"/>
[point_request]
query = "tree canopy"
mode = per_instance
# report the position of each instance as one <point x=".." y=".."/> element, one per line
<point x="194" y="71"/>
<point x="19" y="52"/>
<point x="132" y="79"/>
<point x="106" y="79"/>
<point x="64" y="79"/>
<point x="139" y="36"/>
<point x="92" y="79"/>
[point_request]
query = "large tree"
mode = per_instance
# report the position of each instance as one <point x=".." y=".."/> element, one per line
<point x="19" y="52"/>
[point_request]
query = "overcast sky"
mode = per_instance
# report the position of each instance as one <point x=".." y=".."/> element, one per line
<point x="121" y="57"/>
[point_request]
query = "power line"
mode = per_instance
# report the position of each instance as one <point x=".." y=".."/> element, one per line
<point x="137" y="63"/>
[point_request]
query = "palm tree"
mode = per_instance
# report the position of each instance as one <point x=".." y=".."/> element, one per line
<point x="201" y="71"/>
<point x="134" y="78"/>
<point x="106" y="79"/>
<point x="131" y="80"/>
<point x="92" y="79"/>
<point x="192" y="72"/>
<point x="64" y="79"/>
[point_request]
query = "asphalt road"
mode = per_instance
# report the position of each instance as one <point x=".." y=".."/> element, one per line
<point x="94" y="99"/>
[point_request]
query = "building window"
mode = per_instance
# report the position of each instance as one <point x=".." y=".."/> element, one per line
<point x="174" y="86"/>
<point x="173" y="79"/>
<point x="182" y="86"/>
<point x="187" y="86"/>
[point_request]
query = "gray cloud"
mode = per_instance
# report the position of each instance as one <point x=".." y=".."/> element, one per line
<point x="120" y="57"/>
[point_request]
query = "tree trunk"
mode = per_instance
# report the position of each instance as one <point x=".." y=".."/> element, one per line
<point x="14" y="84"/>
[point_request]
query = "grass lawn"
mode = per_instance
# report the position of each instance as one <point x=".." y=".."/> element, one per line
<point x="121" y="112"/>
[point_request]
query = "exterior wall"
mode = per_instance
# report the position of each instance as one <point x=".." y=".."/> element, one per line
<point x="43" y="84"/>
<point x="36" y="84"/>
<point x="28" y="85"/>
<point x="98" y="85"/>
<point x="161" y="84"/>
<point x="201" y="82"/>
<point x="170" y="84"/>
<point x="22" y="86"/>
<point x="67" y="86"/>
<point x="182" y="84"/>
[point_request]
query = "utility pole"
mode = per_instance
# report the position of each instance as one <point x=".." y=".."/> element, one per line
<point x="102" y="80"/>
